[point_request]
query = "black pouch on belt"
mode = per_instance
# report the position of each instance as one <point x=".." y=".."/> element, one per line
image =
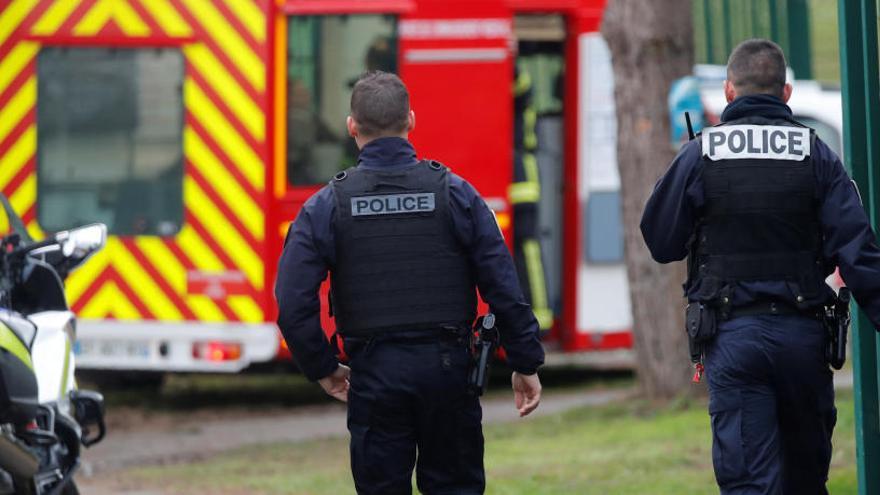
<point x="701" y="324"/>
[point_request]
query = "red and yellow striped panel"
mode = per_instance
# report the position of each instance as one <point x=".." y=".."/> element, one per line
<point x="224" y="143"/>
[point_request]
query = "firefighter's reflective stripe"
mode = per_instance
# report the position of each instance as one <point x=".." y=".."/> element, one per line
<point x="524" y="192"/>
<point x="535" y="268"/>
<point x="522" y="84"/>
<point x="529" y="190"/>
<point x="530" y="137"/>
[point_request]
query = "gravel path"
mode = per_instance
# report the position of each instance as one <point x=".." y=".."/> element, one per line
<point x="170" y="438"/>
<point x="167" y="440"/>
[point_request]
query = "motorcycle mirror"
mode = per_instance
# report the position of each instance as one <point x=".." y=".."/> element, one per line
<point x="82" y="241"/>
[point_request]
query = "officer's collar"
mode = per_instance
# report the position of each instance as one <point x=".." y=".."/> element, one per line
<point x="756" y="106"/>
<point x="387" y="152"/>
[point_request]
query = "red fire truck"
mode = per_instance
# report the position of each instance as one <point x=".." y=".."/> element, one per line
<point x="196" y="129"/>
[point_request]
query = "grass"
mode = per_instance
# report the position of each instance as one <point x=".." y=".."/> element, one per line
<point x="824" y="41"/>
<point x="621" y="449"/>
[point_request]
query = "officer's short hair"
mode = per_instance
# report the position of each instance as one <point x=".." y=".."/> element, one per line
<point x="380" y="104"/>
<point x="757" y="66"/>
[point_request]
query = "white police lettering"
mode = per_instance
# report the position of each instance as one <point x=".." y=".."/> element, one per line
<point x="736" y="142"/>
<point x="389" y="204"/>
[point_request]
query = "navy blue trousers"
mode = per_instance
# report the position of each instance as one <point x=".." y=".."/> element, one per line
<point x="408" y="407"/>
<point x="771" y="402"/>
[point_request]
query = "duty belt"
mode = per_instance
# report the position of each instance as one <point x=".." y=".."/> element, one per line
<point x="771" y="308"/>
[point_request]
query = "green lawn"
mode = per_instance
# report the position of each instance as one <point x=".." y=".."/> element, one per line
<point x="620" y="449"/>
<point x="824" y="39"/>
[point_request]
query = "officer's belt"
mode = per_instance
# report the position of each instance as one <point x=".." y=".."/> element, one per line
<point x="771" y="308"/>
<point x="427" y="336"/>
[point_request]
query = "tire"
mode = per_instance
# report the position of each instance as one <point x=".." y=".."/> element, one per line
<point x="70" y="489"/>
<point x="24" y="486"/>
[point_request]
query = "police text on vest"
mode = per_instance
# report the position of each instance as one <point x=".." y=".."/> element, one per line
<point x="390" y="204"/>
<point x="763" y="142"/>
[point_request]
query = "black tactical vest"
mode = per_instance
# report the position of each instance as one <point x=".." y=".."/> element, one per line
<point x="399" y="265"/>
<point x="760" y="220"/>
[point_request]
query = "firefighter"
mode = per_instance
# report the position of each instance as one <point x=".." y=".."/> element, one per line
<point x="406" y="243"/>
<point x="524" y="194"/>
<point x="764" y="210"/>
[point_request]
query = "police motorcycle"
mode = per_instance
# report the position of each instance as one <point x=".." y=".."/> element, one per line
<point x="44" y="419"/>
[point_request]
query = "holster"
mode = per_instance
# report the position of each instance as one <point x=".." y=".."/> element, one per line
<point x="701" y="324"/>
<point x="837" y="319"/>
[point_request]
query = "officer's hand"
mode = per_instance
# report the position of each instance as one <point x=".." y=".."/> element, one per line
<point x="336" y="383"/>
<point x="526" y="392"/>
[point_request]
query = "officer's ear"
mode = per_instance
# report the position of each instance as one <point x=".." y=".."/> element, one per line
<point x="729" y="91"/>
<point x="786" y="92"/>
<point x="411" y="122"/>
<point x="351" y="125"/>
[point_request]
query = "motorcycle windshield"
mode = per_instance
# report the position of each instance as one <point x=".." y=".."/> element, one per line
<point x="11" y="222"/>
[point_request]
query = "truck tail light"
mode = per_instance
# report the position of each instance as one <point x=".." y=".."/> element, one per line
<point x="217" y="350"/>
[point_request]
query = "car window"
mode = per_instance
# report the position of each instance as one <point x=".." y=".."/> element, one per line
<point x="826" y="132"/>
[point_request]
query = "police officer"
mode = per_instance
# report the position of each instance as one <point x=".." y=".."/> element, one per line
<point x="406" y="243"/>
<point x="765" y="211"/>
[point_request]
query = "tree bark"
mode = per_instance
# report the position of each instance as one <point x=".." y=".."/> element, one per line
<point x="651" y="43"/>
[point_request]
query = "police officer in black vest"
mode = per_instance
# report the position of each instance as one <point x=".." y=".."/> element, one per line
<point x="406" y="242"/>
<point x="764" y="210"/>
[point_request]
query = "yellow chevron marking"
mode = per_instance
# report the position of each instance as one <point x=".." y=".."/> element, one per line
<point x="199" y="252"/>
<point x="80" y="279"/>
<point x="249" y="64"/>
<point x="167" y="17"/>
<point x="250" y="16"/>
<point x="35" y="231"/>
<point x="236" y="148"/>
<point x="25" y="196"/>
<point x="18" y="106"/>
<point x="250" y="115"/>
<point x="250" y="215"/>
<point x="141" y="283"/>
<point x="11" y="65"/>
<point x="118" y="10"/>
<point x="19" y="153"/>
<point x="204" y="308"/>
<point x="110" y="301"/>
<point x="54" y="17"/>
<point x="175" y="273"/>
<point x="246" y="309"/>
<point x="12" y="17"/>
<point x="164" y="261"/>
<point x="223" y="232"/>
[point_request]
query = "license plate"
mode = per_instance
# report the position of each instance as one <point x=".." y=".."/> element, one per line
<point x="111" y="348"/>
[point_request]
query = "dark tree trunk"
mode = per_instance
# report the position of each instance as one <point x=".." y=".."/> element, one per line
<point x="651" y="44"/>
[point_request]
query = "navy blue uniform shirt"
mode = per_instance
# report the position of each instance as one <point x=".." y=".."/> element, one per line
<point x="310" y="251"/>
<point x="674" y="207"/>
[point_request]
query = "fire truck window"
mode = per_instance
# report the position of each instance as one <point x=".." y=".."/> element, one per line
<point x="109" y="145"/>
<point x="325" y="56"/>
<point x="604" y="230"/>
